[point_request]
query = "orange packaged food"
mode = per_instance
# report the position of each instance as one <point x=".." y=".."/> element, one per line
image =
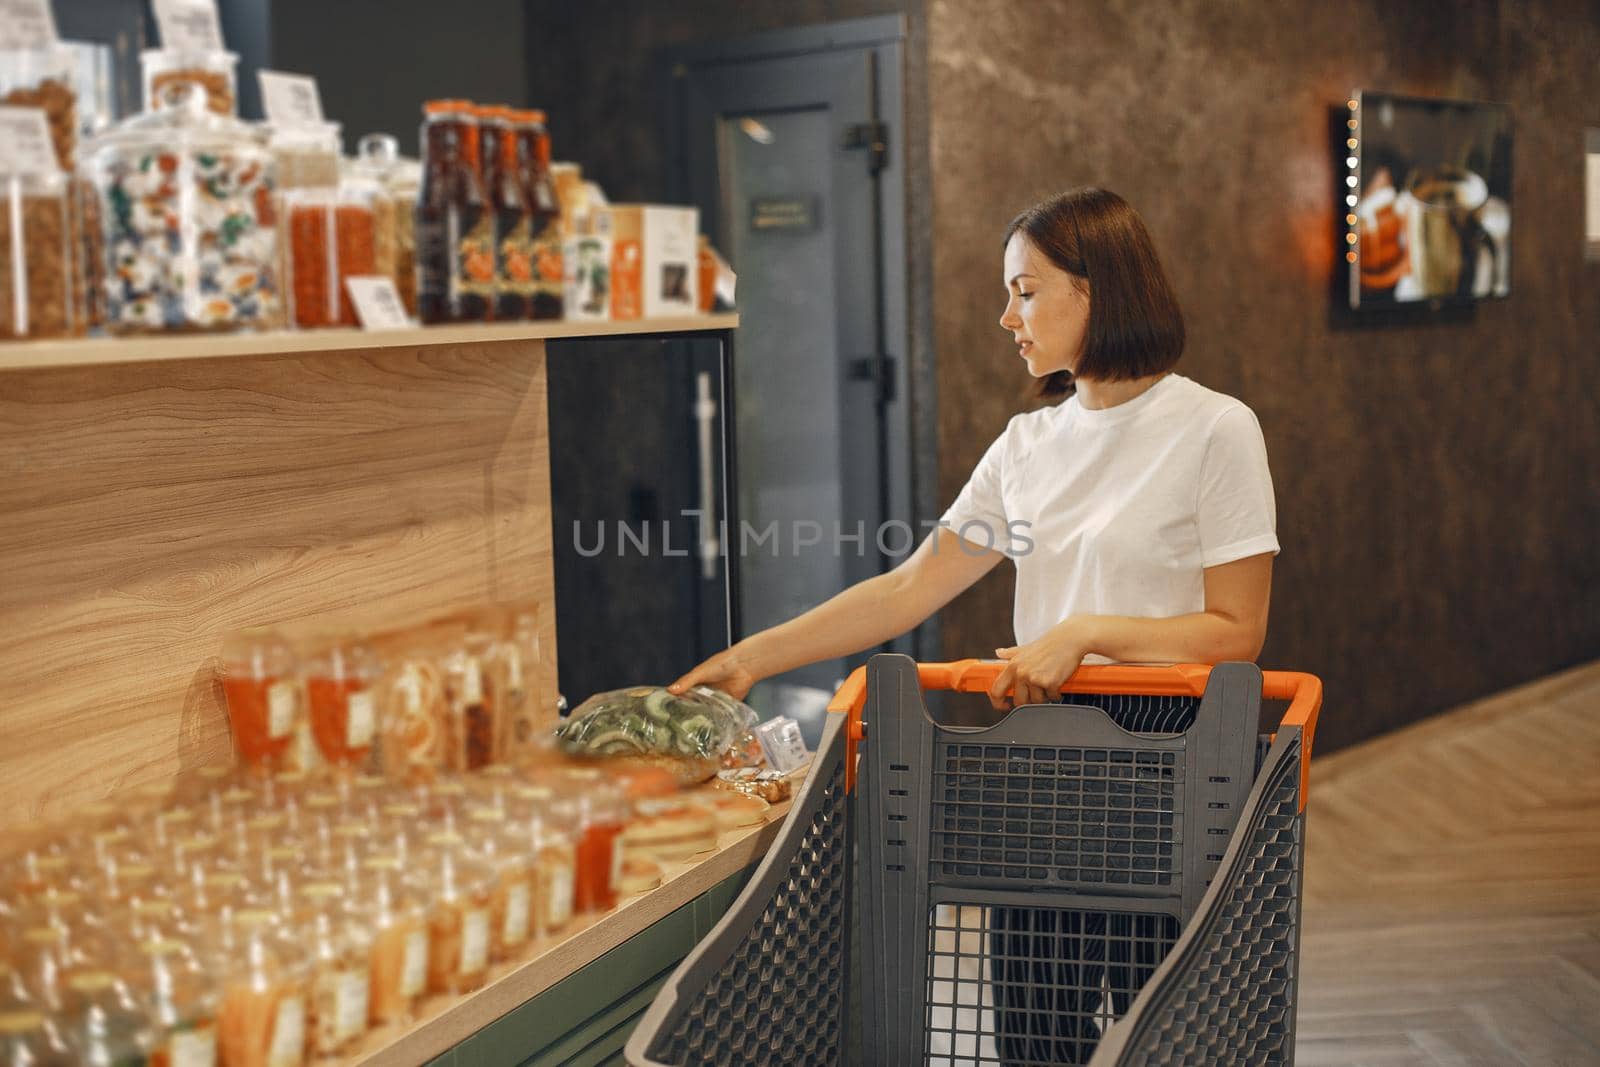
<point x="262" y="1018"/>
<point x="459" y="918"/>
<point x="344" y="714"/>
<point x="398" y="971"/>
<point x="258" y="681"/>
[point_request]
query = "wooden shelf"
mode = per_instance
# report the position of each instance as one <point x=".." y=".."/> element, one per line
<point x="445" y="1021"/>
<point x="155" y="348"/>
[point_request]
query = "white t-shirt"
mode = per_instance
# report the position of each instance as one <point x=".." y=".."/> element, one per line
<point x="1118" y="511"/>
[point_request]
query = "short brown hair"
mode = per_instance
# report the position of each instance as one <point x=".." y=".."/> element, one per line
<point x="1135" y="328"/>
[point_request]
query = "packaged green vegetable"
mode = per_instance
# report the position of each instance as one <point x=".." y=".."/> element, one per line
<point x="689" y="734"/>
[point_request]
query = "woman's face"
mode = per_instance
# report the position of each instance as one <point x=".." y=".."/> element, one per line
<point x="1047" y="309"/>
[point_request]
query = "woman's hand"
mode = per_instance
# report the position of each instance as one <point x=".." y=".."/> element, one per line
<point x="1036" y="671"/>
<point x="727" y="671"/>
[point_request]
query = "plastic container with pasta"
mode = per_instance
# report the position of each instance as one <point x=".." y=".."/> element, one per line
<point x="331" y="237"/>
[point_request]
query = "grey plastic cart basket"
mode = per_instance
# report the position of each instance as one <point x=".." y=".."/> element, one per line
<point x="1064" y="886"/>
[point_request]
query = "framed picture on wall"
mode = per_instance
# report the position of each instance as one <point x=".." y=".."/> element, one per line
<point x="1427" y="201"/>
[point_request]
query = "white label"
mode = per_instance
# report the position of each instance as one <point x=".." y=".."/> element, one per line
<point x="280" y="709"/>
<point x="474" y="941"/>
<point x="616" y="861"/>
<point x="377" y="302"/>
<point x="290" y="99"/>
<point x="414" y="970"/>
<point x="307" y="756"/>
<point x="189" y="25"/>
<point x="472" y="683"/>
<point x="193" y="1048"/>
<point x="360" y="723"/>
<point x="513" y="668"/>
<point x="1592" y="189"/>
<point x="350" y="1005"/>
<point x="560" y="909"/>
<point x="25" y="142"/>
<point x="516" y="927"/>
<point x="288" y="1034"/>
<point x="27" y="24"/>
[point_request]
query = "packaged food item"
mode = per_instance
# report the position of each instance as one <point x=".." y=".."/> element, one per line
<point x="306" y="155"/>
<point x="567" y="179"/>
<point x="587" y="261"/>
<point x="598" y="815"/>
<point x="26" y="1037"/>
<point x="459" y="925"/>
<point x="262" y="688"/>
<point x="670" y="831"/>
<point x="212" y="73"/>
<point x="706" y="264"/>
<point x="771" y="786"/>
<point x="339" y="983"/>
<point x="343" y="705"/>
<point x="512" y="909"/>
<point x="376" y="156"/>
<point x="180" y="999"/>
<point x="733" y="810"/>
<point x="518" y="665"/>
<point x="654" y="260"/>
<point x="332" y="236"/>
<point x="687" y="734"/>
<point x="36" y="258"/>
<point x="398" y="961"/>
<point x="103" y="1022"/>
<point x="454" y="226"/>
<point x="505" y="184"/>
<point x="185" y="199"/>
<point x="544" y="234"/>
<point x="261" y="1021"/>
<point x="44" y="78"/>
<point x="477" y="724"/>
<point x="550" y="844"/>
<point x="405" y="182"/>
<point x="783" y="744"/>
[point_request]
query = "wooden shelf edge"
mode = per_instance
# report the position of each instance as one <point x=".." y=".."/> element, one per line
<point x="155" y="348"/>
<point x="448" y="1021"/>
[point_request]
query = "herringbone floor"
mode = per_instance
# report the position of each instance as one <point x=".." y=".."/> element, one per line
<point x="1452" y="903"/>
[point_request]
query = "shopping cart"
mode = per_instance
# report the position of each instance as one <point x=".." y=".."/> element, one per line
<point x="1111" y="880"/>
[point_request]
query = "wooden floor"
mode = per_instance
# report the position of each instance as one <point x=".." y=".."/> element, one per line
<point x="1452" y="904"/>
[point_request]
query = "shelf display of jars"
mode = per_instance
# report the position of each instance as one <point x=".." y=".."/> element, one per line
<point x="186" y="204"/>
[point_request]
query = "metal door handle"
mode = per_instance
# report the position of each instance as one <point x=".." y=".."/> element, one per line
<point x="705" y="415"/>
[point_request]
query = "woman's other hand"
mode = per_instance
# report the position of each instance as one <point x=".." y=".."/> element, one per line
<point x="726" y="671"/>
<point x="1036" y="671"/>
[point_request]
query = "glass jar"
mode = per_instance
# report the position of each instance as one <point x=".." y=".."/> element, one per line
<point x="103" y="1021"/>
<point x="398" y="974"/>
<point x="338" y="950"/>
<point x="331" y="235"/>
<point x="211" y="72"/>
<point x="185" y="199"/>
<point x="307" y="155"/>
<point x="36" y="258"/>
<point x="180" y="999"/>
<point x="519" y="665"/>
<point x="550" y="846"/>
<point x="45" y="78"/>
<point x="376" y="155"/>
<point x="460" y="889"/>
<point x="405" y="181"/>
<point x="344" y="713"/>
<point x="598" y="815"/>
<point x="261" y="1020"/>
<point x="416" y="719"/>
<point x="473" y="700"/>
<point x="512" y="908"/>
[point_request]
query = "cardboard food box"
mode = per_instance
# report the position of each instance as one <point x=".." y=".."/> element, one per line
<point x="654" y="259"/>
<point x="587" y="260"/>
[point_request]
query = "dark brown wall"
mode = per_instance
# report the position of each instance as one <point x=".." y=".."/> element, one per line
<point x="1437" y="487"/>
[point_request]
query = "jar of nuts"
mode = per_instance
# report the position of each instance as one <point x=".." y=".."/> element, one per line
<point x="35" y="258"/>
<point x="42" y="78"/>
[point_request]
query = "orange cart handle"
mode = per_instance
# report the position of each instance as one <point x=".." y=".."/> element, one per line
<point x="1303" y="691"/>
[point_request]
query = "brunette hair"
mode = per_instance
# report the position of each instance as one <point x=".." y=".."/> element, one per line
<point x="1135" y="328"/>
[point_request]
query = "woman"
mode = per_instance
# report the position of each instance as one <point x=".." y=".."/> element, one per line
<point x="1142" y="502"/>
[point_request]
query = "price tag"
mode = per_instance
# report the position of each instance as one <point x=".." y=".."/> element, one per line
<point x="25" y="143"/>
<point x="189" y="25"/>
<point x="290" y="99"/>
<point x="26" y="24"/>
<point x="377" y="302"/>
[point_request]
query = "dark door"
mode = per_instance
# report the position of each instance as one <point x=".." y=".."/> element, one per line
<point x="789" y="144"/>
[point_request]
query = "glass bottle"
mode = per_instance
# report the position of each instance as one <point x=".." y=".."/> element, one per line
<point x="28" y="1040"/>
<point x="344" y="714"/>
<point x="506" y="183"/>
<point x="550" y="845"/>
<point x="461" y="890"/>
<point x="511" y="911"/>
<point x="398" y="973"/>
<point x="337" y="949"/>
<point x="473" y="701"/>
<point x="454" y="226"/>
<point x="544" y="212"/>
<point x="180" y="999"/>
<point x="599" y="815"/>
<point x="104" y="1024"/>
<point x="263" y="695"/>
<point x="261" y="1021"/>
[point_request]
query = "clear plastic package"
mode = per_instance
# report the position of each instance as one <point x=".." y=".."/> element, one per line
<point x="688" y="734"/>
